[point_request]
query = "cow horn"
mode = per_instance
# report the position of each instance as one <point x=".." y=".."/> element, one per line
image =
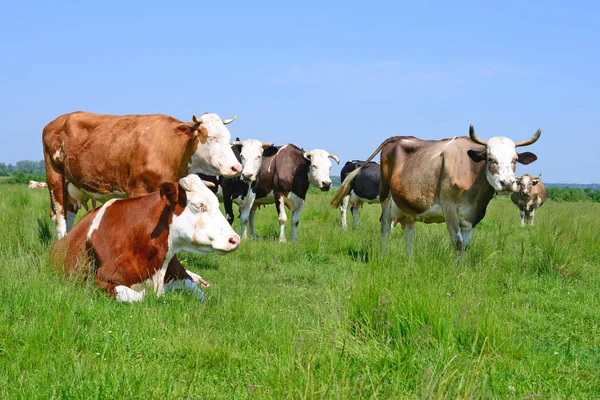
<point x="529" y="141"/>
<point x="337" y="160"/>
<point x="236" y="143"/>
<point x="475" y="138"/>
<point x="230" y="120"/>
<point x="266" y="144"/>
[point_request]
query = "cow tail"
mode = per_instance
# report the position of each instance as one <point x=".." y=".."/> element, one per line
<point x="344" y="189"/>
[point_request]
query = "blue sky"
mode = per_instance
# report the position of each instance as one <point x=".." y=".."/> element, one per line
<point x="342" y="76"/>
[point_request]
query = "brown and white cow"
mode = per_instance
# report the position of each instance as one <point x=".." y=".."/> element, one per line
<point x="37" y="185"/>
<point x="128" y="241"/>
<point x="530" y="195"/>
<point x="285" y="174"/>
<point x="449" y="180"/>
<point x="92" y="156"/>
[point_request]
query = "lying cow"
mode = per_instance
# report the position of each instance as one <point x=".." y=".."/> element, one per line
<point x="128" y="241"/>
<point x="37" y="185"/>
<point x="98" y="157"/>
<point x="363" y="189"/>
<point x="284" y="179"/>
<point x="530" y="195"/>
<point x="450" y="180"/>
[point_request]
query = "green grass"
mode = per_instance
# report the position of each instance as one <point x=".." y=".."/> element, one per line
<point x="328" y="317"/>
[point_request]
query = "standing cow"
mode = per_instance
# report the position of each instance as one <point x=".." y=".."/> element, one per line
<point x="92" y="156"/>
<point x="237" y="190"/>
<point x="530" y="195"/>
<point x="128" y="241"/>
<point x="284" y="179"/>
<point x="364" y="188"/>
<point x="449" y="180"/>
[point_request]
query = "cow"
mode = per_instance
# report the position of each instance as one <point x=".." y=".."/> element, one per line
<point x="37" y="185"/>
<point x="92" y="156"/>
<point x="237" y="190"/>
<point x="127" y="241"/>
<point x="285" y="174"/>
<point x="530" y="195"/>
<point x="363" y="189"/>
<point x="449" y="180"/>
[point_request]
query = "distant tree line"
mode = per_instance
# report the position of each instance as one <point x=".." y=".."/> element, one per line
<point x="567" y="194"/>
<point x="23" y="171"/>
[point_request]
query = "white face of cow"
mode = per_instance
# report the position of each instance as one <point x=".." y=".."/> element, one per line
<point x="526" y="183"/>
<point x="501" y="164"/>
<point x="201" y="228"/>
<point x="318" y="175"/>
<point x="251" y="154"/>
<point x="215" y="157"/>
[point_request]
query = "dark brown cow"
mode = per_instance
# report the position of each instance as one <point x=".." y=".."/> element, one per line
<point x="531" y="194"/>
<point x="98" y="157"/>
<point x="285" y="174"/>
<point x="449" y="180"/>
<point x="128" y="241"/>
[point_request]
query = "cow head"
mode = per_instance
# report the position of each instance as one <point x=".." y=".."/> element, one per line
<point x="213" y="155"/>
<point x="318" y="175"/>
<point x="251" y="154"/>
<point x="526" y="183"/>
<point x="197" y="224"/>
<point x="501" y="159"/>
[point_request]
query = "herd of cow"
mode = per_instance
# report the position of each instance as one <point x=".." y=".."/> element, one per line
<point x="161" y="180"/>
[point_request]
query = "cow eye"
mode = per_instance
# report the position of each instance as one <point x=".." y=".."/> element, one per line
<point x="213" y="138"/>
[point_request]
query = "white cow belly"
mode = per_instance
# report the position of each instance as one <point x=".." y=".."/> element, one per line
<point x="82" y="195"/>
<point x="355" y="199"/>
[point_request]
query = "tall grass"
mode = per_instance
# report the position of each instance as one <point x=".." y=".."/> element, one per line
<point x="327" y="317"/>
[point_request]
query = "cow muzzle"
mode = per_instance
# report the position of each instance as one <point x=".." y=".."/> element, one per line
<point x="325" y="186"/>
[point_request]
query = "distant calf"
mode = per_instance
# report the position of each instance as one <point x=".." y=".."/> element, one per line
<point x="531" y="194"/>
<point x="37" y="185"/>
<point x="128" y="241"/>
<point x="363" y="189"/>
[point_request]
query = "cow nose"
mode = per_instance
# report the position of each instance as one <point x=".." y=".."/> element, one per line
<point x="506" y="184"/>
<point x="236" y="169"/>
<point x="326" y="186"/>
<point x="234" y="242"/>
<point x="247" y="176"/>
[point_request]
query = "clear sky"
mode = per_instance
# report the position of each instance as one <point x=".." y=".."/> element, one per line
<point x="337" y="75"/>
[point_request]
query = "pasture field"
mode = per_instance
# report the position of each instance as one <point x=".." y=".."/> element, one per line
<point x="327" y="317"/>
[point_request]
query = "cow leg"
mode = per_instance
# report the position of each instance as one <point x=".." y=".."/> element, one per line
<point x="354" y="210"/>
<point x="71" y="214"/>
<point x="177" y="277"/>
<point x="251" y="221"/>
<point x="127" y="295"/>
<point x="297" y="204"/>
<point x="245" y="208"/>
<point x="522" y="217"/>
<point x="453" y="226"/>
<point x="531" y="217"/>
<point x="408" y="228"/>
<point x="386" y="221"/>
<point x="343" y="209"/>
<point x="280" y="206"/>
<point x="58" y="200"/>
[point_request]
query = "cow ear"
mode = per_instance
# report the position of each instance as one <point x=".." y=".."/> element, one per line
<point x="477" y="156"/>
<point x="200" y="132"/>
<point x="168" y="193"/>
<point x="270" y="151"/>
<point x="527" y="158"/>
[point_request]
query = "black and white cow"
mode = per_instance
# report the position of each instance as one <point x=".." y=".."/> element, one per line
<point x="237" y="190"/>
<point x="363" y="189"/>
<point x="284" y="179"/>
